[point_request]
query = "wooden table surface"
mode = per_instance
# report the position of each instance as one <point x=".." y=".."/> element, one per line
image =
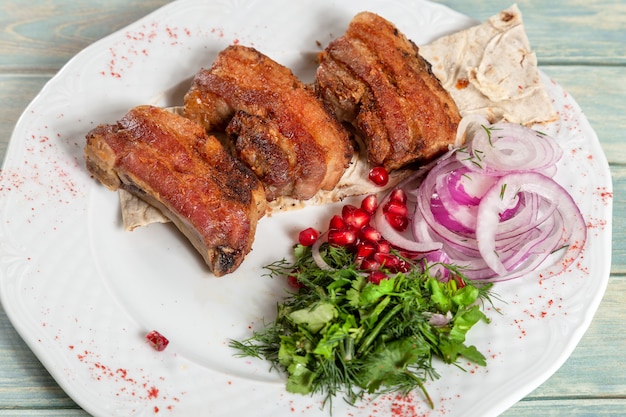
<point x="579" y="43"/>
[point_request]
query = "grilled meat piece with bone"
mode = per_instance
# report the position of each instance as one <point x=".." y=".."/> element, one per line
<point x="172" y="164"/>
<point x="279" y="127"/>
<point x="374" y="78"/>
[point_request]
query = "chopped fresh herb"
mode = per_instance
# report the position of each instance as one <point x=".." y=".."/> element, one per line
<point x="488" y="130"/>
<point x="344" y="334"/>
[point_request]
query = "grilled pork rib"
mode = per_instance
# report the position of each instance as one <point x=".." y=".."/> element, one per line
<point x="278" y="126"/>
<point x="171" y="163"/>
<point x="374" y="78"/>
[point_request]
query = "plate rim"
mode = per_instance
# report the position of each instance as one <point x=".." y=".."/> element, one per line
<point x="25" y="333"/>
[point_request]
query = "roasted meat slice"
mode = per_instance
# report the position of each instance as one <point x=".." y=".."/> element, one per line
<point x="173" y="164"/>
<point x="374" y="78"/>
<point x="279" y="127"/>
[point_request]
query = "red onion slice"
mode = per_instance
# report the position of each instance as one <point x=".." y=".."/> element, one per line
<point x="317" y="256"/>
<point x="568" y="236"/>
<point x="507" y="147"/>
<point x="397" y="238"/>
<point x="493" y="205"/>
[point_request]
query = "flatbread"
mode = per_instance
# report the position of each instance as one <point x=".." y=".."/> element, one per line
<point x="489" y="69"/>
<point x="137" y="213"/>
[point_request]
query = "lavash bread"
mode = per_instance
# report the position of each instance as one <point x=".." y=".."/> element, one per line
<point x="490" y="70"/>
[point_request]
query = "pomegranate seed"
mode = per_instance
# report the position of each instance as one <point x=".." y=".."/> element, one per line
<point x="398" y="195"/>
<point x="369" y="264"/>
<point x="354" y="216"/>
<point x="293" y="282"/>
<point x="341" y="237"/>
<point x="394" y="207"/>
<point x="376" y="276"/>
<point x="308" y="236"/>
<point x="370" y="233"/>
<point x="383" y="246"/>
<point x="336" y="222"/>
<point x="403" y="266"/>
<point x="379" y="176"/>
<point x="388" y="261"/>
<point x="365" y="250"/>
<point x="392" y="262"/>
<point x="157" y="340"/>
<point x="370" y="203"/>
<point x="396" y="221"/>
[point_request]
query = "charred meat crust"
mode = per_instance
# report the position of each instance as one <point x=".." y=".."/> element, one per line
<point x="280" y="128"/>
<point x="171" y="163"/>
<point x="374" y="78"/>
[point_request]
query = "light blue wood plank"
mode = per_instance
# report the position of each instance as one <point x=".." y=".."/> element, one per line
<point x="619" y="220"/>
<point x="45" y="34"/>
<point x="575" y="408"/>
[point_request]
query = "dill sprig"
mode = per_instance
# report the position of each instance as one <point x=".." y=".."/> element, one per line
<point x="341" y="334"/>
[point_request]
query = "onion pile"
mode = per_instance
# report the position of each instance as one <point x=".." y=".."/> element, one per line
<point x="492" y="207"/>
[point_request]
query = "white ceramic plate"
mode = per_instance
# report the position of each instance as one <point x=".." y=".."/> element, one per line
<point x="83" y="293"/>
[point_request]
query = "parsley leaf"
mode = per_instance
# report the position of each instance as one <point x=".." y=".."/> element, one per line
<point x="341" y="334"/>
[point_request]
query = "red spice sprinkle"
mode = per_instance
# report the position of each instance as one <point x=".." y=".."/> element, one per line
<point x="403" y="406"/>
<point x="124" y="375"/>
<point x="171" y="33"/>
<point x="153" y="392"/>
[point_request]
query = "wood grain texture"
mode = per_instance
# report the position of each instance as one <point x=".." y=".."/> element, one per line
<point x="45" y="35"/>
<point x="579" y="43"/>
<point x="618" y="172"/>
<point x="575" y="408"/>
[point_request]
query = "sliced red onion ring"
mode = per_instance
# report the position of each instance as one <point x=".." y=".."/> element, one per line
<point x="398" y="239"/>
<point x="560" y="235"/>
<point x="317" y="256"/>
<point x="466" y="128"/>
<point x="507" y="147"/>
<point x="493" y="206"/>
